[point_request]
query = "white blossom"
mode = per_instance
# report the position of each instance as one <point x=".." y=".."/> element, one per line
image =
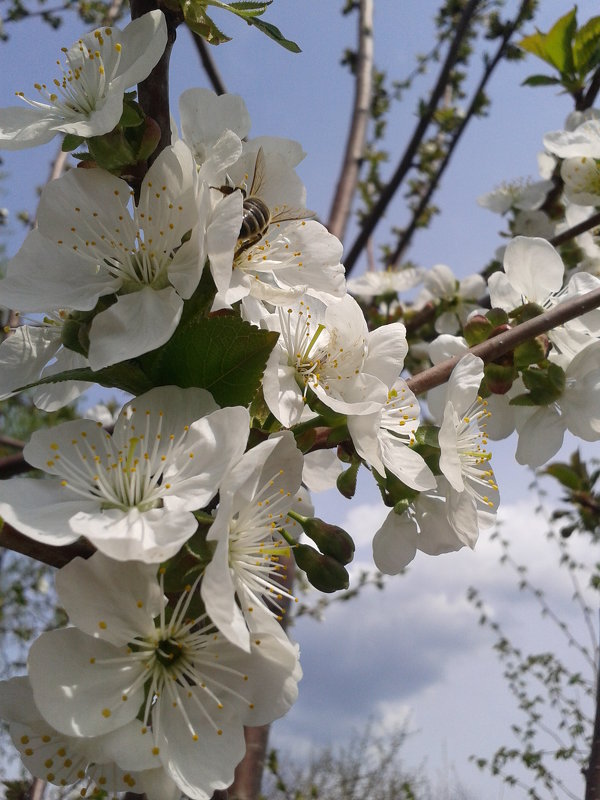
<point x="91" y="244"/>
<point x="243" y="585"/>
<point x="132" y="493"/>
<point x="130" y="658"/>
<point x="63" y="760"/>
<point x="87" y="100"/>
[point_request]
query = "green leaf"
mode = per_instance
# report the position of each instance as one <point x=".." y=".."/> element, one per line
<point x="247" y="10"/>
<point x="274" y="33"/>
<point x="558" y="42"/>
<point x="198" y="21"/>
<point x="554" y="47"/>
<point x="126" y="376"/>
<point x="565" y="475"/>
<point x="540" y="80"/>
<point x="250" y="5"/>
<point x="224" y="355"/>
<point x="586" y="46"/>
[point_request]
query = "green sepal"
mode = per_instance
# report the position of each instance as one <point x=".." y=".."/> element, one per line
<point x="346" y="480"/>
<point x="323" y="572"/>
<point x="526" y="312"/>
<point x="531" y="352"/>
<point x="498" y="378"/>
<point x="545" y="386"/>
<point x="112" y="151"/>
<point x="427" y="435"/>
<point x="497" y="316"/>
<point x="132" y="115"/>
<point x="477" y="329"/>
<point x="71" y="142"/>
<point x="401" y="507"/>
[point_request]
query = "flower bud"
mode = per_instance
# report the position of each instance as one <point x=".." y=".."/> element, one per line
<point x="330" y="539"/>
<point x="323" y="572"/>
<point x="346" y="480"/>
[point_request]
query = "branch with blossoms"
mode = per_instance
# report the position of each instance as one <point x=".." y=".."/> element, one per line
<point x="191" y="274"/>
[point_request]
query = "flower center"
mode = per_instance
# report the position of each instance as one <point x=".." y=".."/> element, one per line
<point x="474" y="457"/>
<point x="133" y="477"/>
<point x="255" y="550"/>
<point x="85" y="77"/>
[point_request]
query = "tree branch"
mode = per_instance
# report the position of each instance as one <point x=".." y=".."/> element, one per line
<point x="425" y="314"/>
<point x="357" y="134"/>
<point x="406" y="162"/>
<point x="571" y="233"/>
<point x="592" y="773"/>
<point x="153" y="92"/>
<point x="406" y="237"/>
<point x="53" y="556"/>
<point x="499" y="345"/>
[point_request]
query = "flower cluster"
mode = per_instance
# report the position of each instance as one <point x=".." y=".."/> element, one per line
<point x="206" y="289"/>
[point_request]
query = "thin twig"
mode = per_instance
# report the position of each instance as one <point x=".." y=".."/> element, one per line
<point x="38" y="787"/>
<point x="406" y="162"/>
<point x="10" y="441"/>
<point x="499" y="345"/>
<point x="357" y="133"/>
<point x="209" y="65"/>
<point x="571" y="233"/>
<point x="13" y="465"/>
<point x="405" y="239"/>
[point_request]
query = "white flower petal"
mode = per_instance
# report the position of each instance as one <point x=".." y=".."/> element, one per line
<point x="395" y="543"/>
<point x="75" y="685"/>
<point x="137" y="323"/>
<point x="91" y="591"/>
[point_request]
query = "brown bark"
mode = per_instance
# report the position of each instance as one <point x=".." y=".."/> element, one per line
<point x="592" y="773"/>
<point x="248" y="773"/>
<point x="357" y="134"/>
<point x="153" y="93"/>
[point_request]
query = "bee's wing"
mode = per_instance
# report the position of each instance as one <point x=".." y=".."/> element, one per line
<point x="283" y="213"/>
<point x="259" y="174"/>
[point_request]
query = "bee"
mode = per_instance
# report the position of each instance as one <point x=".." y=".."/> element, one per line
<point x="256" y="214"/>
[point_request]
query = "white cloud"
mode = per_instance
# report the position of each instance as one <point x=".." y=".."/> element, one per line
<point x="415" y="650"/>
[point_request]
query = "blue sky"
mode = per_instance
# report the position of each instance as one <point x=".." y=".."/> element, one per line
<point x="415" y="650"/>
